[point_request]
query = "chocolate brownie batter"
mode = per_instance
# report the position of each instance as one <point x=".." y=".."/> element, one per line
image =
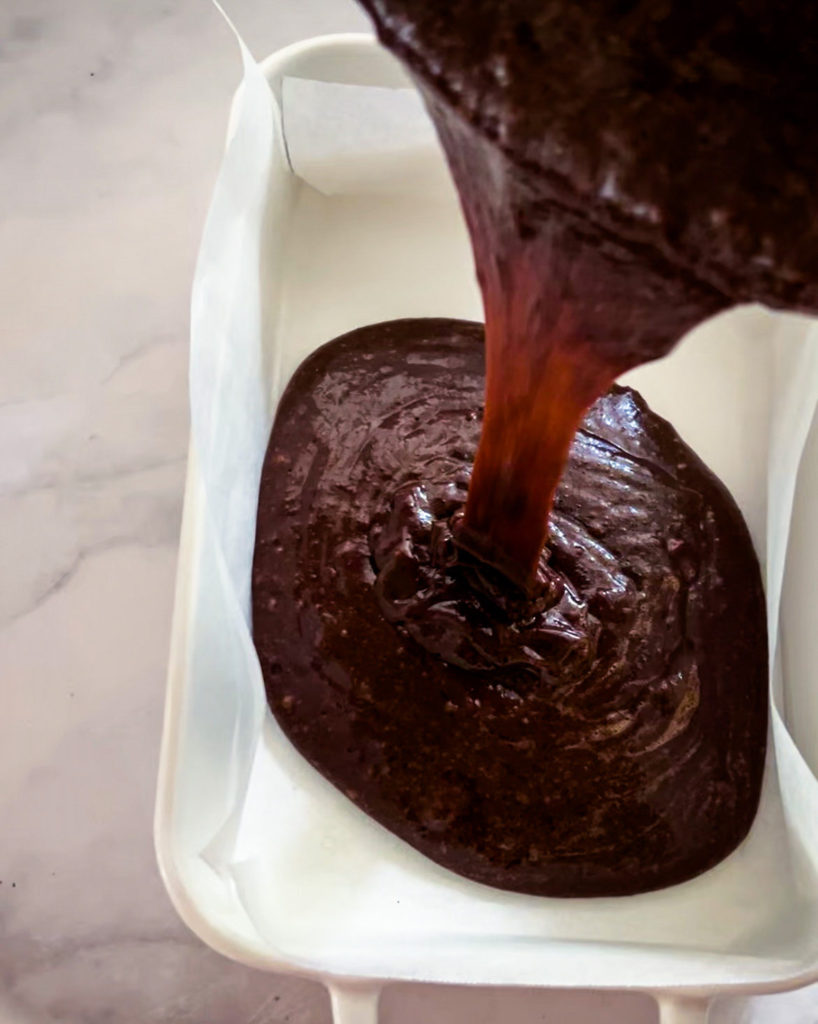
<point x="599" y="733"/>
<point x="626" y="169"/>
<point x="549" y="677"/>
<point x="686" y="126"/>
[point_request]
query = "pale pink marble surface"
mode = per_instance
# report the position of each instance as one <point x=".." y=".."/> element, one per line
<point x="113" y="117"/>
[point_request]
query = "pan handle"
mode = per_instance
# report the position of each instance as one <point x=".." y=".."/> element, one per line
<point x="354" y="1004"/>
<point x="358" y="1004"/>
<point x="683" y="1009"/>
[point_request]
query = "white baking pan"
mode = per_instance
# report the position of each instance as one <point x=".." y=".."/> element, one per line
<point x="263" y="859"/>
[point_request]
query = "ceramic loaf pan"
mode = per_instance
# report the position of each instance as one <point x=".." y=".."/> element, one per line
<point x="329" y="894"/>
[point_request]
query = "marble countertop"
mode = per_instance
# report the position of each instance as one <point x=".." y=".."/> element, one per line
<point x="113" y="118"/>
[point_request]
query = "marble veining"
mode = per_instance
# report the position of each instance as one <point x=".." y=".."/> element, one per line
<point x="112" y="118"/>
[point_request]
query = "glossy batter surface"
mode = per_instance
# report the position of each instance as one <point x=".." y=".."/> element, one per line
<point x="601" y="733"/>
